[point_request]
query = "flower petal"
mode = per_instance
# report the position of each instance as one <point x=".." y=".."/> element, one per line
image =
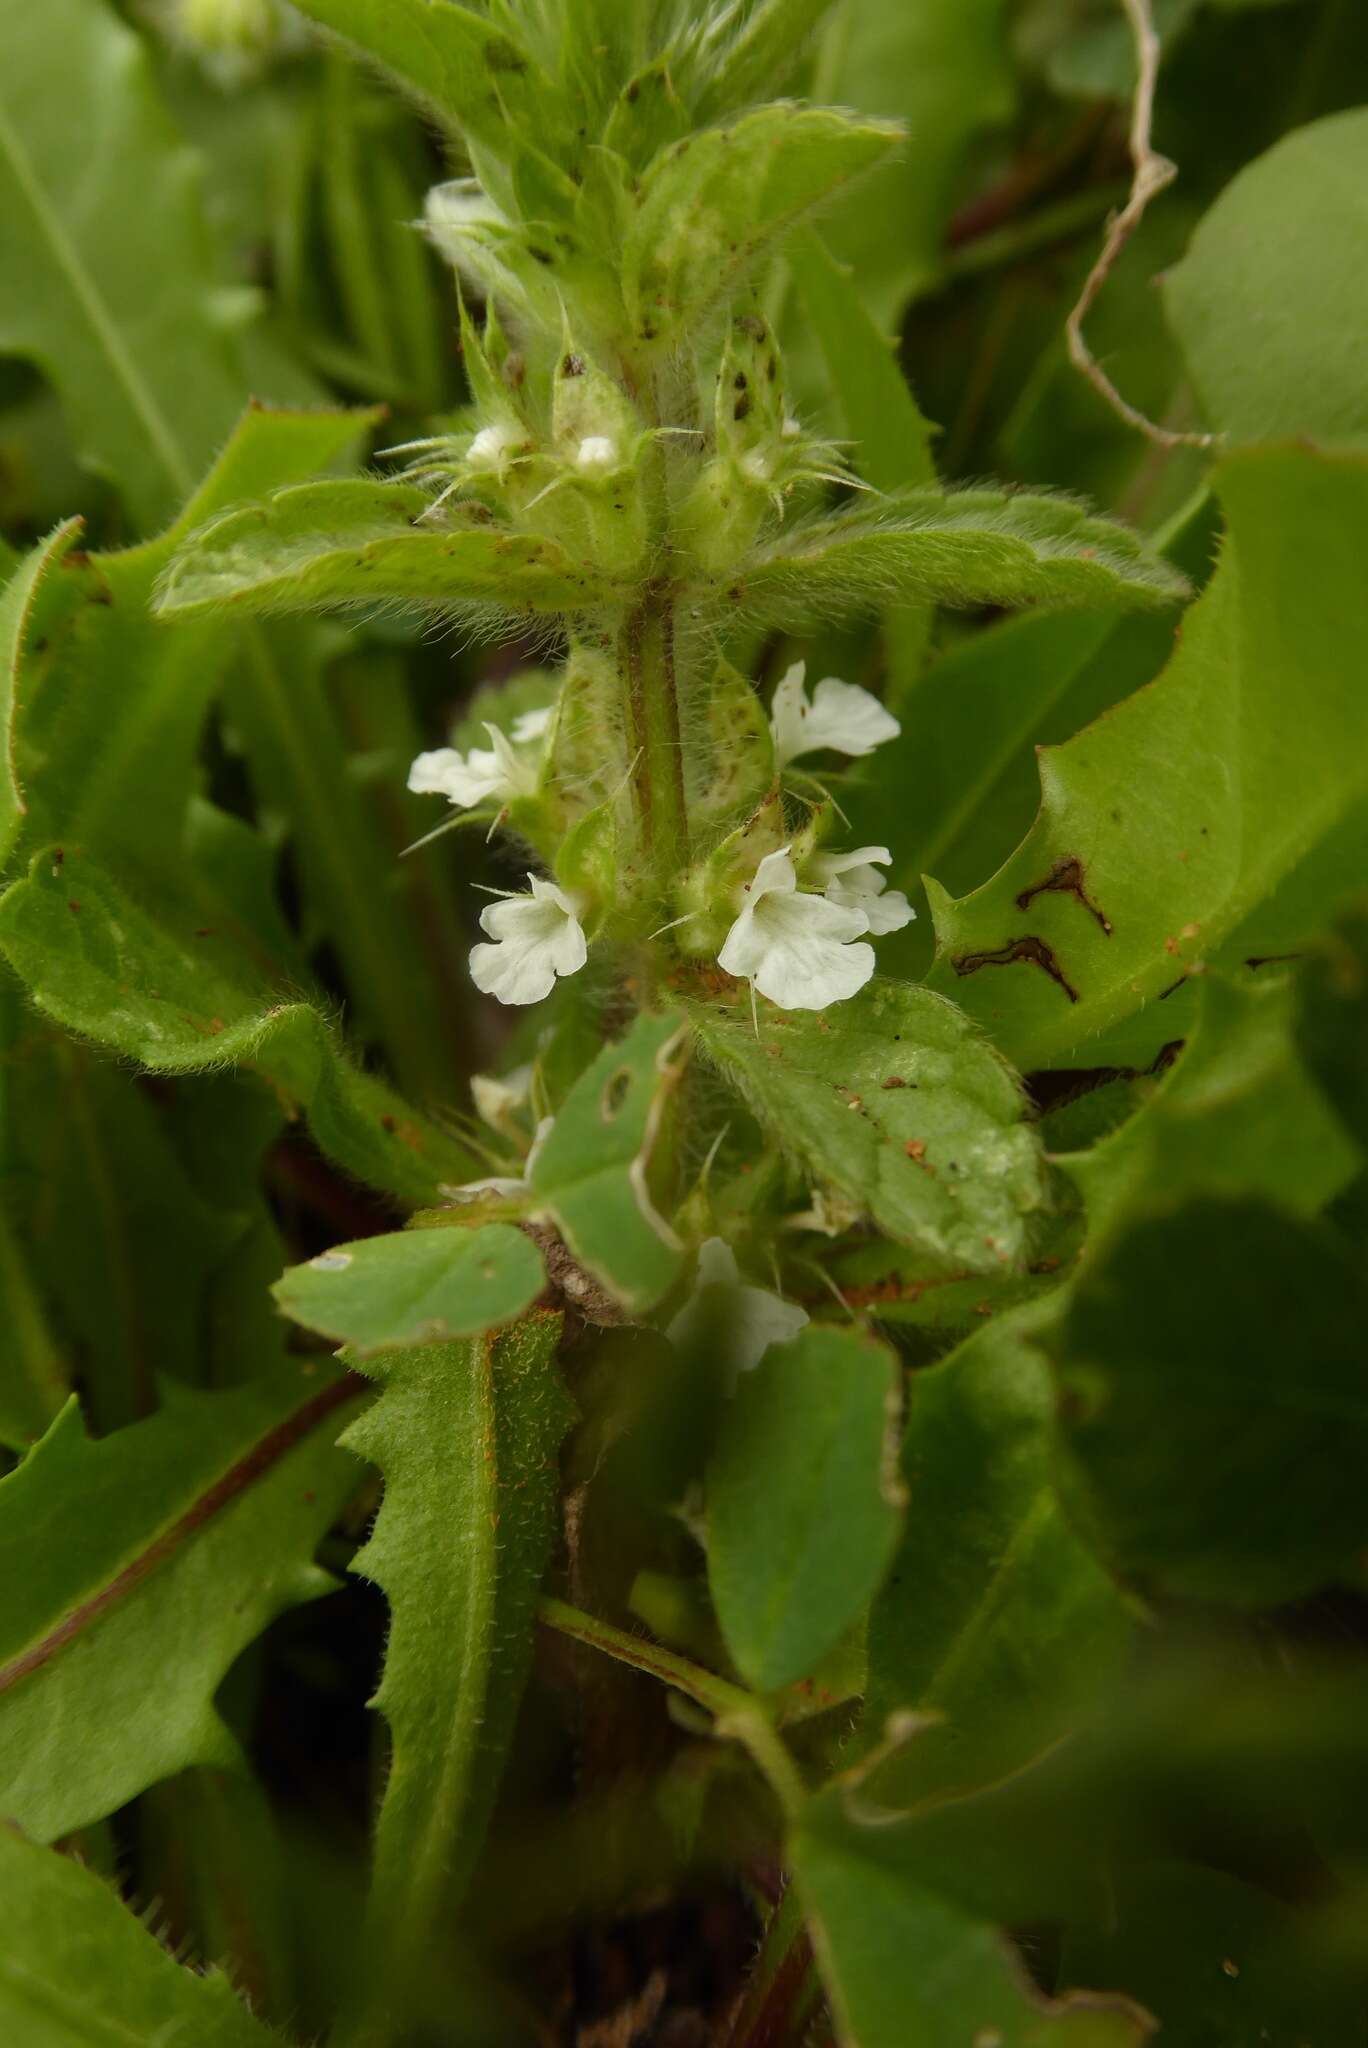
<point x="536" y="938"/>
<point x="464" y="779"/>
<point x="724" y="1311"/>
<point x="848" y="719"/>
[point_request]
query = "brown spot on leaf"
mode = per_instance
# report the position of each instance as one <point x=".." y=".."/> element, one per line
<point x="1030" y="948"/>
<point x="1066" y="878"/>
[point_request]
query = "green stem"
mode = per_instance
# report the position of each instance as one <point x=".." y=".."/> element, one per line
<point x="646" y="664"/>
<point x="780" y="1990"/>
<point x="737" y="1713"/>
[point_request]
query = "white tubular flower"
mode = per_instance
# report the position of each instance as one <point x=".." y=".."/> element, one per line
<point x="724" y="1313"/>
<point x="481" y="775"/>
<point x="853" y="881"/>
<point x="535" y="938"/>
<point x="793" y="946"/>
<point x="841" y="716"/>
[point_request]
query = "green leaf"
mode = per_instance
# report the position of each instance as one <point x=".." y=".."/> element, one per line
<point x="415" y="1287"/>
<point x="1165" y="823"/>
<point x="108" y="282"/>
<point x="465" y="71"/>
<point x="79" y="1971"/>
<point x="18" y="604"/>
<point x="1332" y="1016"/>
<point x="155" y="992"/>
<point x="967" y="547"/>
<point x="766" y="46"/>
<point x="994" y="1616"/>
<point x="591" y="1174"/>
<point x="1236" y="1114"/>
<point x="466" y="1436"/>
<point x="894" y="1099"/>
<point x="115" y="706"/>
<point x="164" y="1548"/>
<point x="1212" y="1406"/>
<point x="906" y="1968"/>
<point x="1270" y="302"/>
<point x="357" y="543"/>
<point x="714" y="204"/>
<point x="803" y="1500"/>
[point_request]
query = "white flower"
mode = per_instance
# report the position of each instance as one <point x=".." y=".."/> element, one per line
<point x="796" y="947"/>
<point x="841" y="716"/>
<point x="852" y="880"/>
<point x="535" y="938"/>
<point x="497" y="1094"/>
<point x="480" y="775"/>
<point x="504" y="1183"/>
<point x="727" y="1316"/>
<point x="492" y="447"/>
<point x="596" y="453"/>
<point x="533" y="725"/>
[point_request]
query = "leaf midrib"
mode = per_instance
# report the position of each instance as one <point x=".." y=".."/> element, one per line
<point x="92" y="303"/>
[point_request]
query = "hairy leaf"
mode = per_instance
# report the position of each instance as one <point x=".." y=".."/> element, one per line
<point x="591" y="1174"/>
<point x="108" y="282"/>
<point x="79" y="1971"/>
<point x="1165" y="823"/>
<point x="1212" y="1403"/>
<point x="1270" y="302"/>
<point x="803" y="1500"/>
<point x="466" y="1436"/>
<point x="357" y="543"/>
<point x="894" y="1099"/>
<point x="162" y="1549"/>
<point x="966" y="547"/>
<point x="415" y="1287"/>
<point x="159" y="994"/>
<point x="713" y="204"/>
<point x="994" y="1616"/>
<point x="18" y="605"/>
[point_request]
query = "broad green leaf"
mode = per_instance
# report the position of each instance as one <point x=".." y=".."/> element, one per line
<point x="1237" y="1114"/>
<point x="358" y="543"/>
<point x="713" y="205"/>
<point x="1270" y="303"/>
<point x="115" y="707"/>
<point x="415" y="1287"/>
<point x="161" y="995"/>
<point x="803" y="1500"/>
<point x="1332" y="1016"/>
<point x="968" y="547"/>
<point x="1165" y="823"/>
<point x="164" y="1548"/>
<point x="994" y="1615"/>
<point x="1213" y="1415"/>
<point x="78" y="1970"/>
<point x="108" y="280"/>
<point x="906" y="1968"/>
<point x="591" y="1176"/>
<point x="17" y="606"/>
<point x="894" y="1099"/>
<point x="466" y="1436"/>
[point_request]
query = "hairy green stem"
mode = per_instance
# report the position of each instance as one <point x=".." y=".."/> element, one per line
<point x="647" y="666"/>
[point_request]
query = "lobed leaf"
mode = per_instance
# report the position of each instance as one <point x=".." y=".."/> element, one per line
<point x="803" y="1500"/>
<point x="162" y="994"/>
<point x="164" y="1548"/>
<point x="970" y="547"/>
<point x="591" y="1173"/>
<point x="357" y="543"/>
<point x="1164" y="824"/>
<point x="79" y="1971"/>
<point x="894" y="1099"/>
<point x="415" y="1287"/>
<point x="466" y="1436"/>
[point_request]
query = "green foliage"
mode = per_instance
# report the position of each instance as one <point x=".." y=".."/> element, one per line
<point x="804" y="1449"/>
<point x="418" y="1287"/>
<point x="166" y="1547"/>
<point x="895" y="1102"/>
<point x="78" y="1970"/>
<point x="466" y="1437"/>
<point x="927" y="1346"/>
